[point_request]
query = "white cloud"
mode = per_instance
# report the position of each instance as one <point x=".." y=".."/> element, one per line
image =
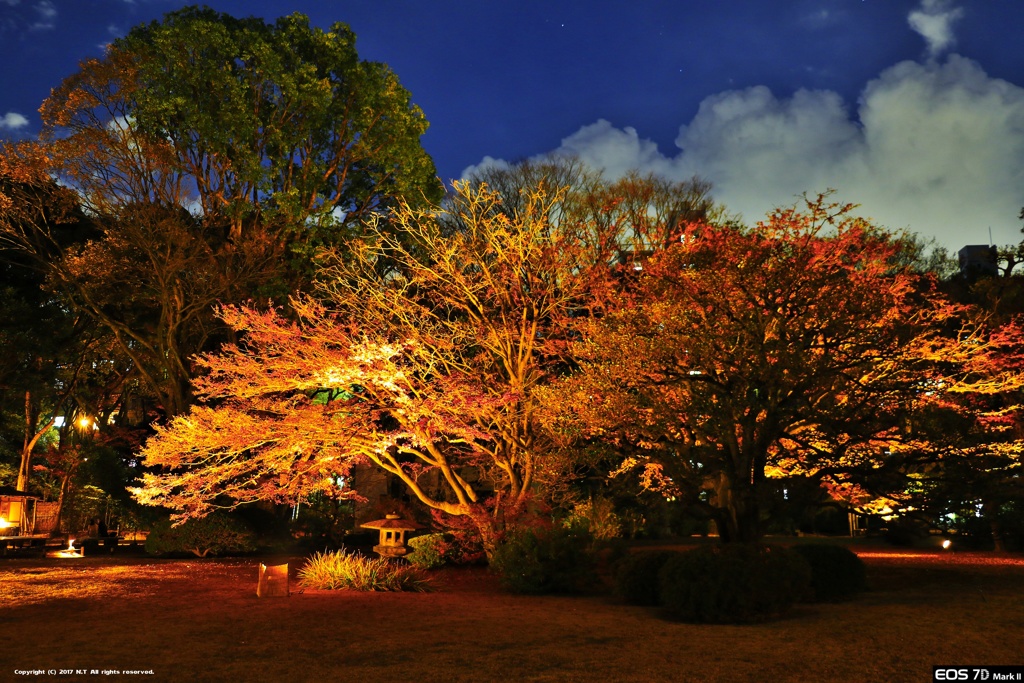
<point x="822" y="18"/>
<point x="47" y="14"/>
<point x="935" y="147"/>
<point x="934" y="21"/>
<point x="12" y="121"/>
<point x="46" y="9"/>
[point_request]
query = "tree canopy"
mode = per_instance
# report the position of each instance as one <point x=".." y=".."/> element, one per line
<point x="425" y="362"/>
<point x="434" y="335"/>
<point x="250" y="121"/>
<point x="799" y="347"/>
<point x="214" y="156"/>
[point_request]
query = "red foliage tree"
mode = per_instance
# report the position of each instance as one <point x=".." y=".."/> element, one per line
<point x="799" y="347"/>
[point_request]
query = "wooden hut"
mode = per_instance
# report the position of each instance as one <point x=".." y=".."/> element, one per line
<point x="17" y="512"/>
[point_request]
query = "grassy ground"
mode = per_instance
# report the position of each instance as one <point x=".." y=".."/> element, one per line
<point x="201" y="621"/>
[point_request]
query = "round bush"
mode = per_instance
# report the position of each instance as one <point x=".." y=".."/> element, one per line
<point x="636" y="577"/>
<point x="536" y="561"/>
<point x="428" y="551"/>
<point x="836" y="572"/>
<point x="732" y="583"/>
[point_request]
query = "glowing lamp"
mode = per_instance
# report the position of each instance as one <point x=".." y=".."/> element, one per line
<point x="69" y="552"/>
<point x="273" y="581"/>
<point x="392" y="535"/>
<point x="946" y="544"/>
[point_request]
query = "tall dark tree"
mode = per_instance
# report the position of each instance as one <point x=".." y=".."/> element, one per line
<point x="256" y="123"/>
<point x="217" y="155"/>
<point x="43" y="342"/>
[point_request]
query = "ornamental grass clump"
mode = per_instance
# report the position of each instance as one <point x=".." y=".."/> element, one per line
<point x="339" y="570"/>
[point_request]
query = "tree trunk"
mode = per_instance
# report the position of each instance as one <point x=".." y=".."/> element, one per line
<point x="739" y="515"/>
<point x="991" y="511"/>
<point x="65" y="485"/>
<point x="490" y="534"/>
<point x="32" y="436"/>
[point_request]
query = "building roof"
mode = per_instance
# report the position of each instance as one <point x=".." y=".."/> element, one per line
<point x="11" y="492"/>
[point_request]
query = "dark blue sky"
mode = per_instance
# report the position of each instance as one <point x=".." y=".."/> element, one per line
<point x="841" y="104"/>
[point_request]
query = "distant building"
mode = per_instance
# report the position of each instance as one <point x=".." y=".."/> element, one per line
<point x="978" y="260"/>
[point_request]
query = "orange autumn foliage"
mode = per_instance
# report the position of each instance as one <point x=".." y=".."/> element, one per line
<point x="800" y="347"/>
<point x="297" y="407"/>
<point x="423" y="361"/>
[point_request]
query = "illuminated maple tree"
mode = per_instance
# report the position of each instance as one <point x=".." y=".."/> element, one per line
<point x="422" y="358"/>
<point x="799" y="347"/>
<point x="425" y="357"/>
<point x="974" y="484"/>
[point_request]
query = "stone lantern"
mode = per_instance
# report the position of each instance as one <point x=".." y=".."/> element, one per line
<point x="392" y="534"/>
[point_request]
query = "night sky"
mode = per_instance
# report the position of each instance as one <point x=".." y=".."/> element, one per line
<point x="913" y="109"/>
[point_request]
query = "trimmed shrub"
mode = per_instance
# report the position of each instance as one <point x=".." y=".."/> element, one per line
<point x="636" y="576"/>
<point x="900" y="536"/>
<point x="836" y="572"/>
<point x="215" y="534"/>
<point x="428" y="551"/>
<point x="732" y="583"/>
<point x="339" y="570"/>
<point x="536" y="561"/>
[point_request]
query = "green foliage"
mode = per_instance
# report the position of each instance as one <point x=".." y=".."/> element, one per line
<point x="973" y="528"/>
<point x="598" y="516"/>
<point x="285" y="112"/>
<point x="430" y="551"/>
<point x="732" y="583"/>
<point x="538" y="561"/>
<point x="339" y="570"/>
<point x="324" y="520"/>
<point x="1010" y="518"/>
<point x="8" y="471"/>
<point x="636" y="576"/>
<point x="83" y="504"/>
<point x="214" y="534"/>
<point x="836" y="572"/>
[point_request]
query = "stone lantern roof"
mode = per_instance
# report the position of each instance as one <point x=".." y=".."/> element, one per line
<point x="392" y="522"/>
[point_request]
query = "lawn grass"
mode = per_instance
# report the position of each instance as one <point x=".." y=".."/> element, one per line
<point x="200" y="620"/>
